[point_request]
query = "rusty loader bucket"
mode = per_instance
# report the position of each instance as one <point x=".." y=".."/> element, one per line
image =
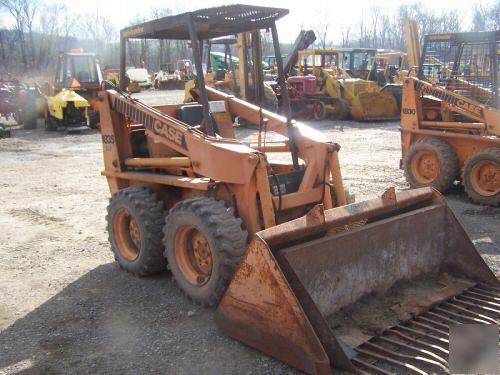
<point x="368" y="287"/>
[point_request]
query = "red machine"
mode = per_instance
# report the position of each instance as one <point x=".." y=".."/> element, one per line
<point x="300" y="91"/>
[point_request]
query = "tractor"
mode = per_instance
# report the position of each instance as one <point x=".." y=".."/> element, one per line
<point x="324" y="88"/>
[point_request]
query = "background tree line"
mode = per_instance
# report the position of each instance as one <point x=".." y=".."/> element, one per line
<point x="383" y="29"/>
<point x="35" y="32"/>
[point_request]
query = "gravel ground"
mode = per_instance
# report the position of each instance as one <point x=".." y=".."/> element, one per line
<point x="65" y="306"/>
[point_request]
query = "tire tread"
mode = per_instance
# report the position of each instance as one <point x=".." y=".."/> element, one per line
<point x="227" y="233"/>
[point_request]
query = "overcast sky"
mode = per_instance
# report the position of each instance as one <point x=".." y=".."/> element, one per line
<point x="301" y="12"/>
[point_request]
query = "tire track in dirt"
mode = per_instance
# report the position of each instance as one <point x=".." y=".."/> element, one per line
<point x="34" y="216"/>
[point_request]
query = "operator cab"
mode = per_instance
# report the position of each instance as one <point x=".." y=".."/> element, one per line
<point x="357" y="62"/>
<point x="78" y="70"/>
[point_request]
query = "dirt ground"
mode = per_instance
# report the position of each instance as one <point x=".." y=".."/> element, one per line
<point x="65" y="306"/>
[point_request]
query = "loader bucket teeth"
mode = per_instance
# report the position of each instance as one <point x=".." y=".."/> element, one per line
<point x="320" y="293"/>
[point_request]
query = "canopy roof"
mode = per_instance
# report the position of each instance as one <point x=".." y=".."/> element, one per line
<point x="468" y="37"/>
<point x="210" y="23"/>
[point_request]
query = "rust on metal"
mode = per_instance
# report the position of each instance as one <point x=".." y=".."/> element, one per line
<point x="316" y="215"/>
<point x="390" y="195"/>
<point x="294" y="279"/>
<point x="433" y="322"/>
<point x="260" y="309"/>
<point x="428" y="327"/>
<point x="472" y="313"/>
<point x="417" y="306"/>
<point x="402" y="365"/>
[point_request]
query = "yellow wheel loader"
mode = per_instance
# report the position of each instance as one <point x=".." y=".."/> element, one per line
<point x="263" y="231"/>
<point x="336" y="92"/>
<point x="389" y="69"/>
<point x="67" y="111"/>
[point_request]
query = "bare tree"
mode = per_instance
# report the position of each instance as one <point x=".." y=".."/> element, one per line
<point x="2" y="47"/>
<point x="321" y="27"/>
<point x="344" y="31"/>
<point x="15" y="8"/>
<point x="164" y="46"/>
<point x="50" y="30"/>
<point x="29" y="10"/>
<point x="486" y="17"/>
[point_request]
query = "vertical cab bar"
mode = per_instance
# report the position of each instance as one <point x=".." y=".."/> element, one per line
<point x="199" y="74"/>
<point x="285" y="104"/>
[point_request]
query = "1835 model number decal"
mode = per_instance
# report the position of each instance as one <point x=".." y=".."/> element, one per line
<point x="108" y="139"/>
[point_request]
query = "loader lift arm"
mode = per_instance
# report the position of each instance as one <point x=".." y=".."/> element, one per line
<point x="450" y="128"/>
<point x="483" y="119"/>
<point x="196" y="157"/>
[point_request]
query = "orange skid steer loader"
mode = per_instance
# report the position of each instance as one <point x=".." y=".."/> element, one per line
<point x="264" y="231"/>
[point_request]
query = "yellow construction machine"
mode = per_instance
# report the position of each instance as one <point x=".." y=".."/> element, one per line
<point x="327" y="89"/>
<point x="243" y="75"/>
<point x="450" y="121"/>
<point x="389" y="69"/>
<point x="357" y="61"/>
<point x="412" y="42"/>
<point x="67" y="110"/>
<point x="264" y="231"/>
<point x="72" y="103"/>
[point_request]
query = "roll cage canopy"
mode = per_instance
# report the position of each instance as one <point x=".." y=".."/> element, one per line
<point x="206" y="24"/>
<point x="209" y="23"/>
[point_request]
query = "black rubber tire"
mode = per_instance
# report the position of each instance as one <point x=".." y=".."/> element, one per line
<point x="319" y="110"/>
<point x="227" y="241"/>
<point x="94" y="118"/>
<point x="149" y="213"/>
<point x="50" y="124"/>
<point x="487" y="154"/>
<point x="448" y="163"/>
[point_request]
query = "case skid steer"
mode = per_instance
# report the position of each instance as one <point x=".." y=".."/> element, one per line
<point x="450" y="121"/>
<point x="273" y="243"/>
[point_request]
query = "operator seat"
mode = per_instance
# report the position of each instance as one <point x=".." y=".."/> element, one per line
<point x="190" y="114"/>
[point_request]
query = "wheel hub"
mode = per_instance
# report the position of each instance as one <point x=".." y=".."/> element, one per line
<point x="127" y="235"/>
<point x="193" y="254"/>
<point x="486" y="178"/>
<point x="201" y="252"/>
<point x="135" y="235"/>
<point x="425" y="167"/>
